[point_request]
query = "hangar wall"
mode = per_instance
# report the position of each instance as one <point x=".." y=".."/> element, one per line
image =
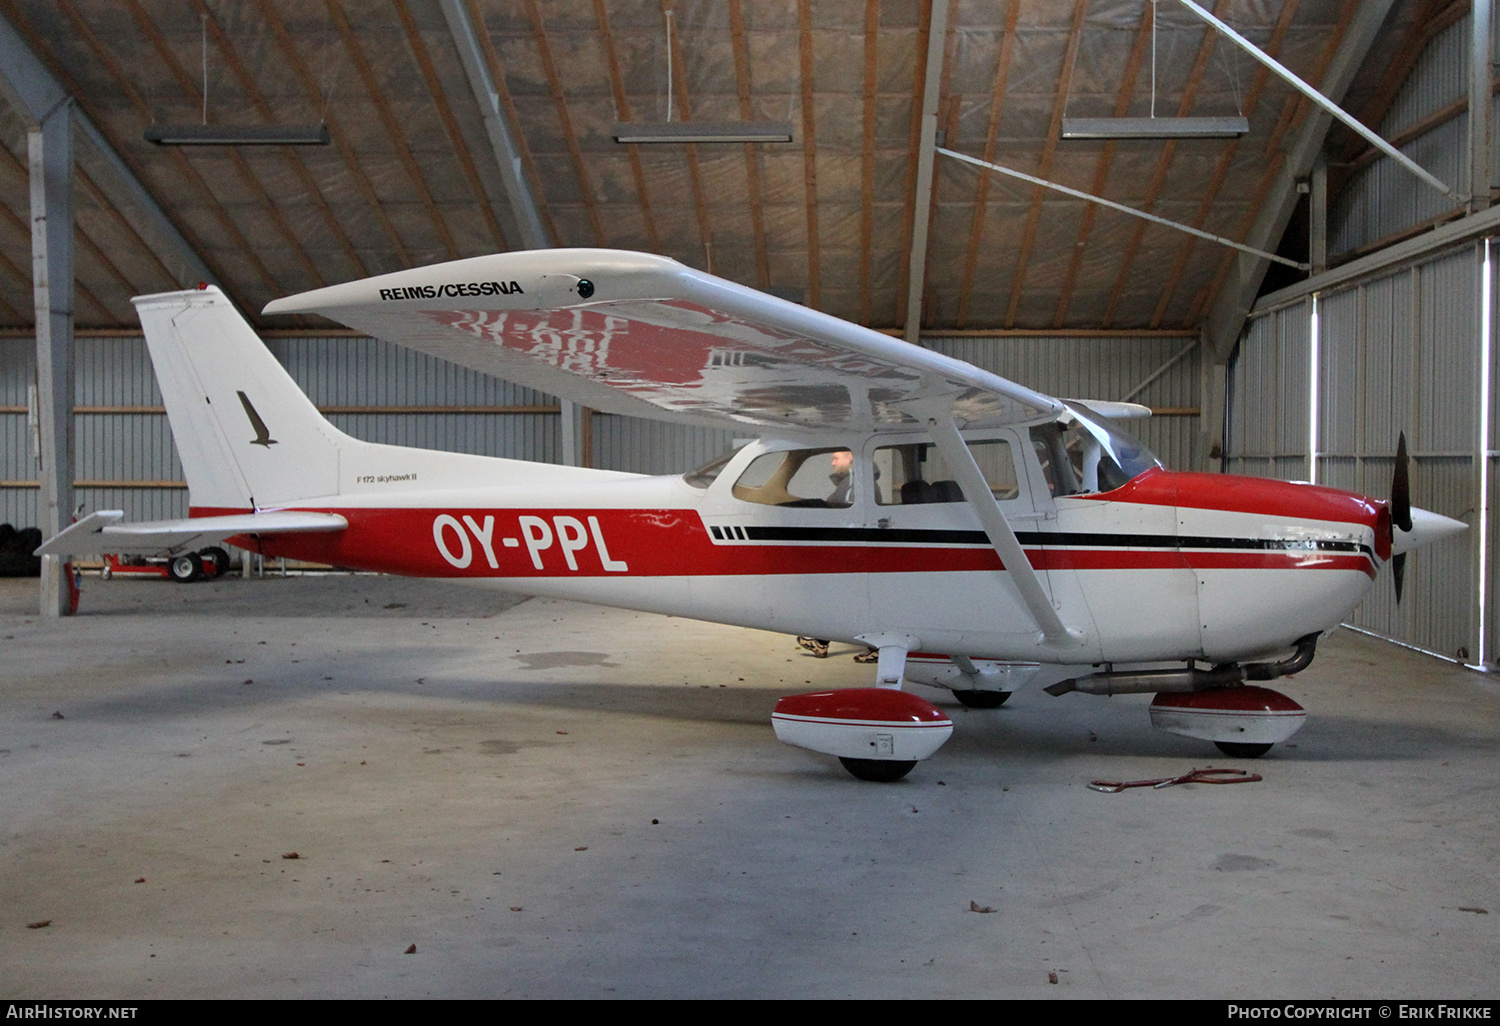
<point x="387" y="393"/>
<point x="1428" y="121"/>
<point x="1399" y="349"/>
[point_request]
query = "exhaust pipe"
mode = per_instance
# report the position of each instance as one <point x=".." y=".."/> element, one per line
<point x="1189" y="678"/>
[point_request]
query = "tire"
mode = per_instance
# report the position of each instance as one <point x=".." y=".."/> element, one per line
<point x="185" y="568"/>
<point x="1242" y="749"/>
<point x="880" y="771"/>
<point x="981" y="699"/>
<point x="218" y="557"/>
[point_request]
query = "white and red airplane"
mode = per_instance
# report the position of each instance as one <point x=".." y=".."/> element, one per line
<point x="970" y="529"/>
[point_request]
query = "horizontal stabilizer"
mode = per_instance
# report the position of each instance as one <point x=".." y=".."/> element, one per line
<point x="100" y="532"/>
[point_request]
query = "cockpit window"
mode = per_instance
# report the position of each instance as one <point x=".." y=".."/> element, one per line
<point x="805" y="478"/>
<point x="916" y="473"/>
<point x="709" y="472"/>
<point x="1080" y="455"/>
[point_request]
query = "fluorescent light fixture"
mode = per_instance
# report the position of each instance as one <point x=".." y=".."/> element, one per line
<point x="703" y="132"/>
<point x="238" y="135"/>
<point x="1155" y="128"/>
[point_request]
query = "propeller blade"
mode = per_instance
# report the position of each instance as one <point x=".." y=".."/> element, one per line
<point x="1398" y="573"/>
<point x="1401" y="487"/>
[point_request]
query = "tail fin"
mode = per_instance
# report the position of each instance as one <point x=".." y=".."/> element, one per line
<point x="247" y="435"/>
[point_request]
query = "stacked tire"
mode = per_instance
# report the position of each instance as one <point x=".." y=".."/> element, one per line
<point x="16" y="548"/>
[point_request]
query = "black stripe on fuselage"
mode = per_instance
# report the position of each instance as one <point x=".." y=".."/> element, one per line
<point x="1045" y="539"/>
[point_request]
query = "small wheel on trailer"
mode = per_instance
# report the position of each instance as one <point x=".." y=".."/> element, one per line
<point x="218" y="557"/>
<point x="1242" y="749"/>
<point x="981" y="699"/>
<point x="880" y="771"/>
<point x="184" y="568"/>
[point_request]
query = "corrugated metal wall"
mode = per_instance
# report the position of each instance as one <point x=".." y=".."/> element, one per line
<point x="1270" y="438"/>
<point x="1384" y="199"/>
<point x="387" y="393"/>
<point x="1398" y="352"/>
<point x="1105" y="367"/>
<point x="126" y="458"/>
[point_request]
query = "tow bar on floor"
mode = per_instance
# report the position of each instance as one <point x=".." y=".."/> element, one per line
<point x="1195" y="776"/>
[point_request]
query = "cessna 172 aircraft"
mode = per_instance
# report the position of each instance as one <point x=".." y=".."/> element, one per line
<point x="970" y="529"/>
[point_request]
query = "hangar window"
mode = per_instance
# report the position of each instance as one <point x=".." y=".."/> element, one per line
<point x="801" y="478"/>
<point x="916" y="473"/>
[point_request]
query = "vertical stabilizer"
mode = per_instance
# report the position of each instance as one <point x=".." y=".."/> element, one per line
<point x="247" y="435"/>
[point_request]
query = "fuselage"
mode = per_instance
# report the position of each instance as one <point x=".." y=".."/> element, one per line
<point x="1164" y="567"/>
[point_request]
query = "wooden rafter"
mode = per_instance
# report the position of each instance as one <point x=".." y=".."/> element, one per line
<point x="1163" y="165"/>
<point x="1106" y="161"/>
<point x="252" y="92"/>
<point x="450" y="124"/>
<point x="679" y="88"/>
<point x="1049" y="147"/>
<point x="992" y="134"/>
<point x="497" y="75"/>
<point x="752" y="152"/>
<point x="554" y="83"/>
<point x="122" y="222"/>
<point x="622" y="110"/>
<point x="23" y="174"/>
<point x="340" y="137"/>
<point x="122" y="82"/>
<point x="809" y="153"/>
<point x="867" y="156"/>
<point x="1295" y="106"/>
<point x="1226" y="159"/>
<point x="913" y="143"/>
<point x="190" y="88"/>
<point x="23" y="226"/>
<point x="1432" y="18"/>
<point x="392" y="126"/>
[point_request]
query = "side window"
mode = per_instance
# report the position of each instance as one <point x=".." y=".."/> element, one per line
<point x="801" y="478"/>
<point x="916" y="473"/>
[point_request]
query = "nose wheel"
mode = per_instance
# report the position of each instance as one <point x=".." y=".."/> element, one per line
<point x="879" y="771"/>
<point x="1242" y="749"/>
<point x="981" y="699"/>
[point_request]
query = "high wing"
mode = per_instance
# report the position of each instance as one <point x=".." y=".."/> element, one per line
<point x="646" y="336"/>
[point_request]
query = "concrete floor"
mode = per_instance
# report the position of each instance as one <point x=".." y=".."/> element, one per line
<point x="555" y="800"/>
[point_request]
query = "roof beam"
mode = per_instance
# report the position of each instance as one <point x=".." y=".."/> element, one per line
<point x="521" y="201"/>
<point x="27" y="83"/>
<point x="937" y="38"/>
<point x="1232" y="304"/>
<point x="1322" y="101"/>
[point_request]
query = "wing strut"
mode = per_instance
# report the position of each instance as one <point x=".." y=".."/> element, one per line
<point x="977" y="491"/>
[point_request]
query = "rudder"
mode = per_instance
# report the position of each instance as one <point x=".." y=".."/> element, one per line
<point x="247" y="435"/>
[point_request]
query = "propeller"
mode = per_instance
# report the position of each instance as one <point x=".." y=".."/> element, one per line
<point x="1400" y="509"/>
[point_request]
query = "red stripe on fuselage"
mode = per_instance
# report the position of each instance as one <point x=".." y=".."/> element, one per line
<point x="671" y="543"/>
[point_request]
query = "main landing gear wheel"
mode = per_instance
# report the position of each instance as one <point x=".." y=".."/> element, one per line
<point x="981" y="699"/>
<point x="218" y="557"/>
<point x="1242" y="749"/>
<point x="880" y="771"/>
<point x="186" y="567"/>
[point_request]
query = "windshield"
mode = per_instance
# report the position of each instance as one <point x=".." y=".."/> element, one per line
<point x="1081" y="454"/>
